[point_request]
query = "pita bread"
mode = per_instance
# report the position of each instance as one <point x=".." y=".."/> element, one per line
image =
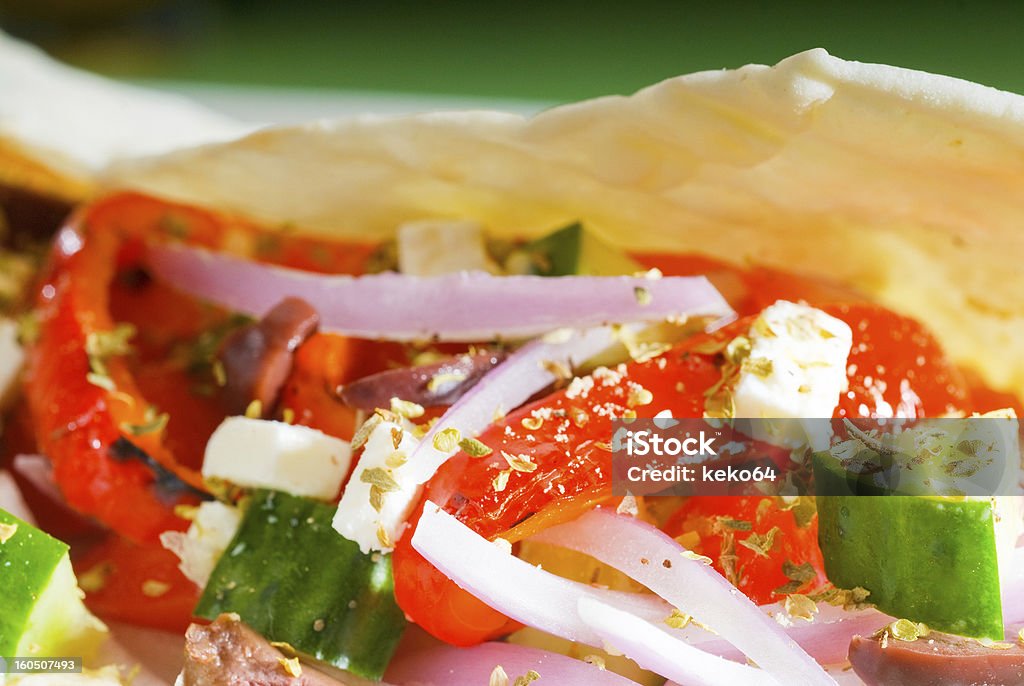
<point x="59" y="126"/>
<point x="906" y="184"/>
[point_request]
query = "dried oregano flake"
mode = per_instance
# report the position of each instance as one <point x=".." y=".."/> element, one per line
<point x="500" y="482"/>
<point x="519" y="463"/>
<point x="474" y="448"/>
<point x="800" y="606"/>
<point x="364" y="431"/>
<point x="406" y="408"/>
<point x="447" y="440"/>
<point x="379" y="477"/>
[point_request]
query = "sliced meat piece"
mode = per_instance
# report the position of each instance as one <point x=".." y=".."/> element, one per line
<point x="936" y="659"/>
<point x="431" y="385"/>
<point x="228" y="653"/>
<point x="257" y="358"/>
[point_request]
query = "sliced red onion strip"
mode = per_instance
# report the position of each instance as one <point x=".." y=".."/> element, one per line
<point x="514" y="587"/>
<point x="506" y="387"/>
<point x="655" y="560"/>
<point x="11" y="500"/>
<point x="468" y="306"/>
<point x="826" y="638"/>
<point x="654" y="649"/>
<point x="38" y="471"/>
<point x="1012" y="587"/>
<point x="447" y="665"/>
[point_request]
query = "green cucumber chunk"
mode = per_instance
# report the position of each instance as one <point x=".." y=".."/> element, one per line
<point x="975" y="456"/>
<point x="574" y="250"/>
<point x="293" y="579"/>
<point x="926" y="559"/>
<point x="41" y="608"/>
<point x="862" y="472"/>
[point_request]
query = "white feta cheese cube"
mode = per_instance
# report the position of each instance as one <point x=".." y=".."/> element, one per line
<point x="797" y="364"/>
<point x="433" y="247"/>
<point x="796" y="369"/>
<point x="200" y="548"/>
<point x="357" y="519"/>
<point x="258" y="453"/>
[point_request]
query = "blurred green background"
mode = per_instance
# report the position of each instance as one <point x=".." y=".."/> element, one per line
<point x="544" y="51"/>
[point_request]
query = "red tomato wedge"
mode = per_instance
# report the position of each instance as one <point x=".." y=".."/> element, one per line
<point x="761" y="545"/>
<point x="897" y="368"/>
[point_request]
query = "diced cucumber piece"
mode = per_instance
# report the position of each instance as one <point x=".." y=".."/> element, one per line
<point x="293" y="579"/>
<point x="972" y="456"/>
<point x="926" y="559"/>
<point x="574" y="250"/>
<point x="41" y="608"/>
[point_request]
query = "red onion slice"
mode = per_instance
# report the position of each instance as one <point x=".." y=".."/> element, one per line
<point x="446" y="665"/>
<point x="655" y="560"/>
<point x="11" y="500"/>
<point x="826" y="638"/>
<point x="468" y="306"/>
<point x="38" y="471"/>
<point x="516" y="588"/>
<point x="1012" y="586"/>
<point x="654" y="649"/>
<point x="506" y="387"/>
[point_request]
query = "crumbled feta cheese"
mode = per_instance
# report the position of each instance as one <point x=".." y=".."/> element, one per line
<point x="435" y="246"/>
<point x="579" y="387"/>
<point x="797" y="363"/>
<point x="796" y="367"/>
<point x="664" y="420"/>
<point x="199" y="548"/>
<point x="375" y="520"/>
<point x="259" y="453"/>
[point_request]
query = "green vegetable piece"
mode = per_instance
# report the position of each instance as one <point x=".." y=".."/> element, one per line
<point x="942" y="457"/>
<point x="41" y="608"/>
<point x="294" y="580"/>
<point x="574" y="250"/>
<point x="924" y="558"/>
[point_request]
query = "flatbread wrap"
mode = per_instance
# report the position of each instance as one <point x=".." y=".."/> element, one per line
<point x="320" y="387"/>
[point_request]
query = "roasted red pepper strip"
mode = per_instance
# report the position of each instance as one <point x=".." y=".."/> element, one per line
<point x="121" y="477"/>
<point x="78" y="423"/>
<point x="138" y="584"/>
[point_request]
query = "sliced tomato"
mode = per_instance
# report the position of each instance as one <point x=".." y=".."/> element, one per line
<point x="750" y="290"/>
<point x="762" y="545"/>
<point x="897" y="368"/>
<point x="138" y="584"/>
